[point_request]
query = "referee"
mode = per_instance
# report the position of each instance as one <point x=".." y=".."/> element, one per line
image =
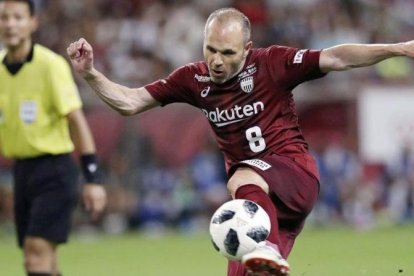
<point x="40" y="111"/>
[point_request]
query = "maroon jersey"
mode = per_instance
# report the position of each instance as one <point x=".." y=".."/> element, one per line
<point x="253" y="114"/>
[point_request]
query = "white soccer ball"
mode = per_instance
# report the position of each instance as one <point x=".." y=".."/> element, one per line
<point x="237" y="226"/>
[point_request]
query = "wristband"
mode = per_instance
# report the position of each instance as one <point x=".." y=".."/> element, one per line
<point x="90" y="169"/>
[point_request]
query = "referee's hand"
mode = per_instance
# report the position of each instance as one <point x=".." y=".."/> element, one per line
<point x="94" y="199"/>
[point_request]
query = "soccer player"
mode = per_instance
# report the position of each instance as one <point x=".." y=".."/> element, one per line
<point x="40" y="110"/>
<point x="246" y="94"/>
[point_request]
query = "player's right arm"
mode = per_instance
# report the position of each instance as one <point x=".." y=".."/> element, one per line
<point x="125" y="100"/>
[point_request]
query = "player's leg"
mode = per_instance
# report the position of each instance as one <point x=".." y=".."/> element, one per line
<point x="39" y="256"/>
<point x="55" y="264"/>
<point x="51" y="192"/>
<point x="288" y="231"/>
<point x="37" y="252"/>
<point x="245" y="183"/>
<point x="21" y="209"/>
<point x="290" y="224"/>
<point x="294" y="192"/>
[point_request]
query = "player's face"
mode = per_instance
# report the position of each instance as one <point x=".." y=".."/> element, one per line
<point x="224" y="50"/>
<point x="16" y="23"/>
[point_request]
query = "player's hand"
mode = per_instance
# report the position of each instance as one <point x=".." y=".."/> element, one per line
<point x="94" y="199"/>
<point x="81" y="56"/>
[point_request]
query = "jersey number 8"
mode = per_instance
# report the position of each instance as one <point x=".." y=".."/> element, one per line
<point x="256" y="141"/>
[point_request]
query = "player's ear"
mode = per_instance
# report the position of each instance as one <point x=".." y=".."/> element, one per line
<point x="34" y="23"/>
<point x="247" y="47"/>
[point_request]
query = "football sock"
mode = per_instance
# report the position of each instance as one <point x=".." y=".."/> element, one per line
<point x="256" y="194"/>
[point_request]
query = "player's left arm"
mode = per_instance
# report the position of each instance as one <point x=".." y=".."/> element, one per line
<point x="347" y="56"/>
<point x="93" y="193"/>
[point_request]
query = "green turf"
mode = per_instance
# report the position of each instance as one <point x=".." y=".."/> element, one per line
<point x="345" y="252"/>
<point x="330" y="252"/>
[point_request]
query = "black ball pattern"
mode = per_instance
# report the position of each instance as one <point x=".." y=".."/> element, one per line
<point x="250" y="208"/>
<point x="231" y="242"/>
<point x="223" y="216"/>
<point x="215" y="246"/>
<point x="258" y="234"/>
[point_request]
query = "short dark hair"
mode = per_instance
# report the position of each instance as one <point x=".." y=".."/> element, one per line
<point x="30" y="3"/>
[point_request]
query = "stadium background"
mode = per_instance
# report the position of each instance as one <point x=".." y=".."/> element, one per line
<point x="162" y="168"/>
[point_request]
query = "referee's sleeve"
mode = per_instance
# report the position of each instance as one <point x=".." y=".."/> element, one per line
<point x="63" y="87"/>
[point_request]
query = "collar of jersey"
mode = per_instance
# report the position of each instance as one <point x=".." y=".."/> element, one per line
<point x="14" y="67"/>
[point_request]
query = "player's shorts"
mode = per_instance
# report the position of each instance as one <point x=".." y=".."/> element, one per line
<point x="293" y="190"/>
<point x="45" y="194"/>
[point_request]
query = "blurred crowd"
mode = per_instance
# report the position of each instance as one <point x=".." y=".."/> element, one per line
<point x="137" y="41"/>
<point x="163" y="170"/>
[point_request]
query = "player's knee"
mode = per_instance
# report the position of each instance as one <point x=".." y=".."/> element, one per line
<point x="33" y="262"/>
<point x="231" y="187"/>
<point x="38" y="255"/>
<point x="245" y="176"/>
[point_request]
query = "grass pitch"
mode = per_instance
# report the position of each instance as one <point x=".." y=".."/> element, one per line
<point x="318" y="252"/>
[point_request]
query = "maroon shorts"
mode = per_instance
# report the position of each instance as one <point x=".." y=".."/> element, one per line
<point x="293" y="191"/>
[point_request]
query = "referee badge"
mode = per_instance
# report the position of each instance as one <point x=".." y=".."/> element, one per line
<point x="247" y="84"/>
<point x="28" y="111"/>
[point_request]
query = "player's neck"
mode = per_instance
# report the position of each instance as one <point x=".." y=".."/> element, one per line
<point x="19" y="53"/>
<point x="239" y="69"/>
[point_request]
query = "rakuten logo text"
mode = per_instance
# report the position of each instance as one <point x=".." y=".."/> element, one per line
<point x="233" y="115"/>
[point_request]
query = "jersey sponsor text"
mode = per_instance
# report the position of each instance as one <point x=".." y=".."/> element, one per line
<point x="233" y="115"/>
<point x="299" y="56"/>
<point x="260" y="164"/>
<point x="202" y="78"/>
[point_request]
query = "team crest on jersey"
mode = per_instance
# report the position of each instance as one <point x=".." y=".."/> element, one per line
<point x="247" y="84"/>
